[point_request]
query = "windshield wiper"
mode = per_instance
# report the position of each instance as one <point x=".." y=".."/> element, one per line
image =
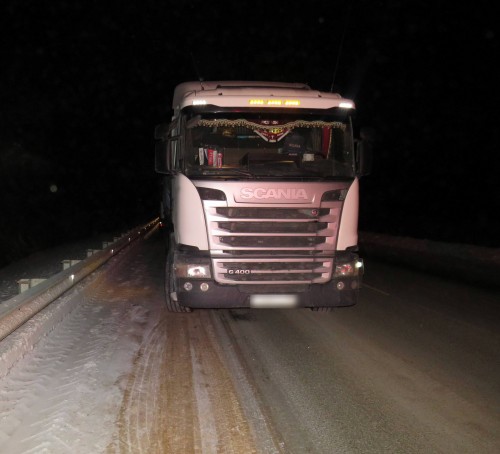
<point x="246" y="173"/>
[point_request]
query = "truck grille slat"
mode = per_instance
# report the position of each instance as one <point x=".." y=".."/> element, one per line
<point x="272" y="266"/>
<point x="271" y="241"/>
<point x="270" y="253"/>
<point x="281" y="277"/>
<point x="272" y="227"/>
<point x="271" y="213"/>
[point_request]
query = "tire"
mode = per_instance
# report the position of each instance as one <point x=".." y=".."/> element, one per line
<point x="172" y="304"/>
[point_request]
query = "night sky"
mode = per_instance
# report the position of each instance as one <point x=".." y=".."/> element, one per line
<point x="83" y="83"/>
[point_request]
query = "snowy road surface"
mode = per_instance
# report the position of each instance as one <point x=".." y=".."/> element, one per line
<point x="414" y="368"/>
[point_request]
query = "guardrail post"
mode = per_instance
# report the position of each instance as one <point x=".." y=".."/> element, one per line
<point x="25" y="284"/>
<point x="68" y="263"/>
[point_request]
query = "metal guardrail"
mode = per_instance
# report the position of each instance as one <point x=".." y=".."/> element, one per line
<point x="19" y="309"/>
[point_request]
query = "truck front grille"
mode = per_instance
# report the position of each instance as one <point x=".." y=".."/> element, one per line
<point x="249" y="241"/>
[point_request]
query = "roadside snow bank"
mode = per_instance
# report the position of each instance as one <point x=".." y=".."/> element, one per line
<point x="475" y="264"/>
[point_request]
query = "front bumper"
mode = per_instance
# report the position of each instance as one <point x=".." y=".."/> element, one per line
<point x="233" y="296"/>
<point x="341" y="290"/>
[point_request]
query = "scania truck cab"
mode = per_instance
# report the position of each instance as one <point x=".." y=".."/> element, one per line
<point x="261" y="191"/>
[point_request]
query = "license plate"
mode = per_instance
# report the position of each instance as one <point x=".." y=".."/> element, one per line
<point x="273" y="301"/>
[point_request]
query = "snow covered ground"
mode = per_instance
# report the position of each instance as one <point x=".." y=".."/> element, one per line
<point x="464" y="262"/>
<point x="78" y="371"/>
<point x="96" y="381"/>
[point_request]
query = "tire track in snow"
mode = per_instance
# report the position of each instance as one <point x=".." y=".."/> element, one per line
<point x="181" y="397"/>
<point x="216" y="393"/>
<point x="160" y="389"/>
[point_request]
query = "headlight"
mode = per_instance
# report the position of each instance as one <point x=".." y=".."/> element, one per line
<point x="193" y="271"/>
<point x="211" y="194"/>
<point x="334" y="196"/>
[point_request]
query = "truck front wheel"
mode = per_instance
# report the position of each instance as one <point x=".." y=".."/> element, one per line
<point x="170" y="294"/>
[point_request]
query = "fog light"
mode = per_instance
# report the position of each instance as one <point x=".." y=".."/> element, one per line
<point x="340" y="285"/>
<point x="188" y="286"/>
<point x="204" y="286"/>
<point x="346" y="269"/>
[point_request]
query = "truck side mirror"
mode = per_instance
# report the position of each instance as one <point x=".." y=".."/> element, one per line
<point x="163" y="150"/>
<point x="161" y="157"/>
<point x="364" y="157"/>
<point x="364" y="151"/>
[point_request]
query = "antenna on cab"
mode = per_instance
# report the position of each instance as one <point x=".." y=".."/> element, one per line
<point x="341" y="45"/>
<point x="195" y="67"/>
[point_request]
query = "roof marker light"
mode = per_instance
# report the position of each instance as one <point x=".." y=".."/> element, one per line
<point x="199" y="102"/>
<point x="346" y="105"/>
<point x="274" y="102"/>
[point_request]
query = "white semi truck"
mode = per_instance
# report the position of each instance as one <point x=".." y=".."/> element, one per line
<point x="261" y="190"/>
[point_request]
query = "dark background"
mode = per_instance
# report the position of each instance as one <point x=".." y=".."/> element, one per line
<point x="83" y="83"/>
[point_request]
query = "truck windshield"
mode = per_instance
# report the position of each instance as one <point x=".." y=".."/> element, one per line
<point x="268" y="145"/>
